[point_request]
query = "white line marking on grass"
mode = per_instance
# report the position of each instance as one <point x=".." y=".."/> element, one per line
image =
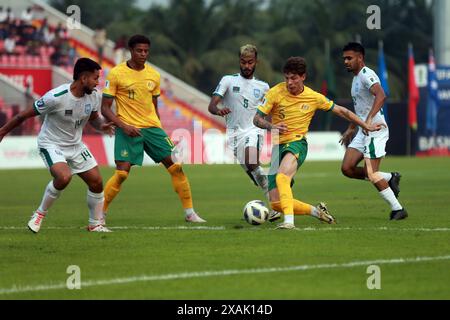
<point x="374" y="229"/>
<point x="168" y="228"/>
<point x="219" y="273"/>
<point x="250" y="228"/>
<point x="128" y="228"/>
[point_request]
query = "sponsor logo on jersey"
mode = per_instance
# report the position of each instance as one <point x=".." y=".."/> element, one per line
<point x="236" y="89"/>
<point x="257" y="93"/>
<point x="88" y="108"/>
<point x="68" y="112"/>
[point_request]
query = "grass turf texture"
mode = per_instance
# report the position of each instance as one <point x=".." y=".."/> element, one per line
<point x="153" y="247"/>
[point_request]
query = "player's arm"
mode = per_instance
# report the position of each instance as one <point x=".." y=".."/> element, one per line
<point x="380" y="98"/>
<point x="100" y="125"/>
<point x="213" y="109"/>
<point x="260" y="121"/>
<point x="17" y="120"/>
<point x="155" y="103"/>
<point x="350" y="116"/>
<point x="111" y="117"/>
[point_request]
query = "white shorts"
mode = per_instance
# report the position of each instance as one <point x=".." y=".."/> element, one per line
<point x="78" y="157"/>
<point x="372" y="146"/>
<point x="238" y="144"/>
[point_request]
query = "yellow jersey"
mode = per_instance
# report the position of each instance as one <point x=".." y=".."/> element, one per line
<point x="133" y="92"/>
<point x="295" y="111"/>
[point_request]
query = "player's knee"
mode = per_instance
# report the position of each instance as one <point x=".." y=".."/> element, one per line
<point x="96" y="185"/>
<point x="347" y="171"/>
<point x="62" y="181"/>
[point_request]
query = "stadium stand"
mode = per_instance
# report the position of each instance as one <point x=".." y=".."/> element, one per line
<point x="28" y="41"/>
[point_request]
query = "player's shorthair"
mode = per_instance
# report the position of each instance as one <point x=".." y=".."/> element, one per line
<point x="248" y="49"/>
<point x="138" y="39"/>
<point x="295" y="65"/>
<point x="84" y="65"/>
<point x="355" y="46"/>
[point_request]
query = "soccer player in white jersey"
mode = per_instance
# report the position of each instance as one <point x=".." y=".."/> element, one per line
<point x="240" y="95"/>
<point x="66" y="110"/>
<point x="368" y="99"/>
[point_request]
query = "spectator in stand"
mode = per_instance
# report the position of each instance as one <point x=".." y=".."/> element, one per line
<point x="10" y="45"/>
<point x="100" y="41"/>
<point x="3" y="15"/>
<point x="9" y="15"/>
<point x="3" y="30"/>
<point x="27" y="16"/>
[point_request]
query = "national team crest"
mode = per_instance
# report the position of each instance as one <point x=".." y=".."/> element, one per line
<point x="40" y="103"/>
<point x="257" y="93"/>
<point x="151" y="85"/>
<point x="87" y="108"/>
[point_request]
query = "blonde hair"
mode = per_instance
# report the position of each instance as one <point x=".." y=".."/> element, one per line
<point x="248" y="49"/>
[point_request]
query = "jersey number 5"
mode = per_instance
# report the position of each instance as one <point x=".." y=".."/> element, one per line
<point x="245" y="103"/>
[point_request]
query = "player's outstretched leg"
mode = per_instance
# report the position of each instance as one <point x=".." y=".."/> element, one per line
<point x="113" y="186"/>
<point x="62" y="177"/>
<point x="50" y="195"/>
<point x="182" y="187"/>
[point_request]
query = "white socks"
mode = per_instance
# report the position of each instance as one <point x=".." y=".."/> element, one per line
<point x="388" y="195"/>
<point x="189" y="211"/>
<point x="289" y="218"/>
<point x="261" y="179"/>
<point x="95" y="203"/>
<point x="50" y="195"/>
<point x="386" y="176"/>
<point x="314" y="212"/>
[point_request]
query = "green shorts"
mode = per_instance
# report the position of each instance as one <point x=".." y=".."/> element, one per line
<point x="154" y="141"/>
<point x="298" y="148"/>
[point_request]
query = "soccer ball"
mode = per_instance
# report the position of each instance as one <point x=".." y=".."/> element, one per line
<point x="255" y="212"/>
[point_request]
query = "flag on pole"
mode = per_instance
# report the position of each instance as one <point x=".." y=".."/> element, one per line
<point x="433" y="101"/>
<point x="383" y="74"/>
<point x="413" y="90"/>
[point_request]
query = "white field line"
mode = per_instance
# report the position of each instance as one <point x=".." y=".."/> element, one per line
<point x="443" y="229"/>
<point x="219" y="273"/>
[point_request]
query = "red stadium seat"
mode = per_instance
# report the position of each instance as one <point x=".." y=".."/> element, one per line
<point x="21" y="60"/>
<point x="4" y="59"/>
<point x="13" y="60"/>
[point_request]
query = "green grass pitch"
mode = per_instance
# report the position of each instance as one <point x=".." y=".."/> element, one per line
<point x="150" y="256"/>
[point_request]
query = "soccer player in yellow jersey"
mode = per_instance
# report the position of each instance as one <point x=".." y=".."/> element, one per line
<point x="135" y="87"/>
<point x="292" y="106"/>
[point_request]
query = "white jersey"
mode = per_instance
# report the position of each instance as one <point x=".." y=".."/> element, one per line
<point x="362" y="98"/>
<point x="242" y="96"/>
<point x="65" y="116"/>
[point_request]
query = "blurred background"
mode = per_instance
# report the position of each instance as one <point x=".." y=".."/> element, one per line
<point x="195" y="43"/>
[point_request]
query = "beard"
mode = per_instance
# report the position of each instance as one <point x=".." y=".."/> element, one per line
<point x="248" y="72"/>
<point x="87" y="90"/>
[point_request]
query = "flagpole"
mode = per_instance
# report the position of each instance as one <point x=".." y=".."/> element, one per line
<point x="408" y="127"/>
